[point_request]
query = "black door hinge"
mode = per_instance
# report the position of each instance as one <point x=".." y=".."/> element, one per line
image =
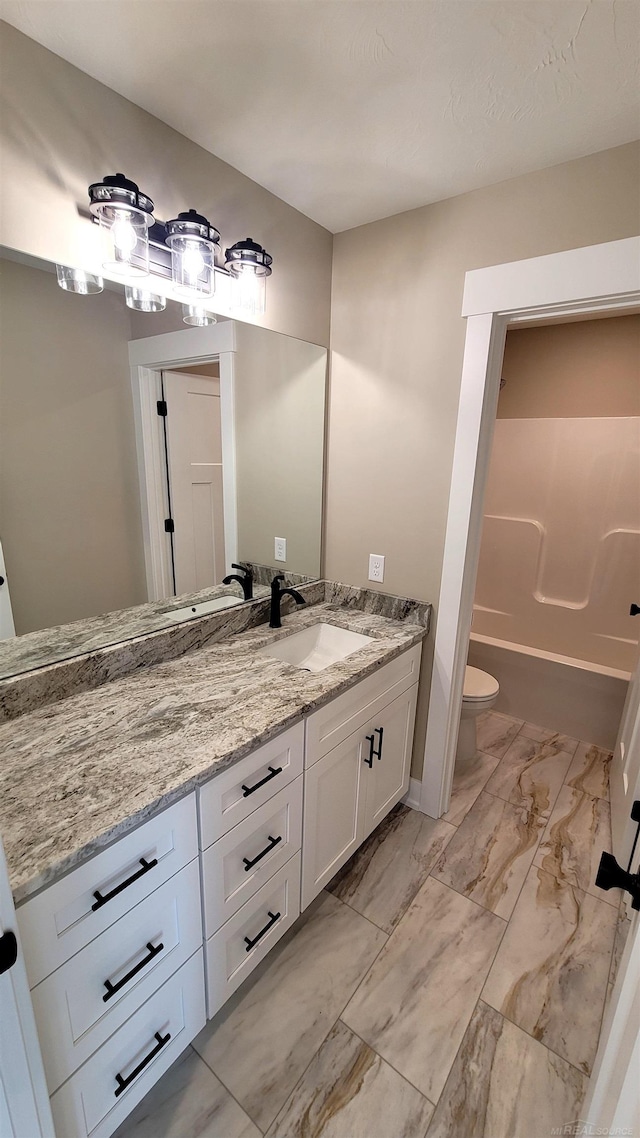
<point x="162" y="407"/>
<point x="8" y="951"/>
<point x="168" y="525"/>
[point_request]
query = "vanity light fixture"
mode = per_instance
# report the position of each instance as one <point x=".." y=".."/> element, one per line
<point x="183" y="250"/>
<point x="143" y="300"/>
<point x="76" y="280"/>
<point x="125" y="216"/>
<point x="193" y="242"/>
<point x="249" y="265"/>
<point x="197" y="315"/>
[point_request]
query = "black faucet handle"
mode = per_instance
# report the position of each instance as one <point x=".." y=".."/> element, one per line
<point x="243" y="568"/>
<point x="278" y="577"/>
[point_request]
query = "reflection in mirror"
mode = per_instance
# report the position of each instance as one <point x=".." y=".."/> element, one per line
<point x="240" y="472"/>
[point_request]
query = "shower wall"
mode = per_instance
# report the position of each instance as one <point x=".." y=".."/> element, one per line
<point x="560" y="555"/>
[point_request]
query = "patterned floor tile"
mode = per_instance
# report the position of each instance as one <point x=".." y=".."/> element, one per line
<point x="490" y="855"/>
<point x="350" y="1092"/>
<point x="551" y="971"/>
<point x="504" y="1084"/>
<point x="382" y="878"/>
<point x="415" y="1002"/>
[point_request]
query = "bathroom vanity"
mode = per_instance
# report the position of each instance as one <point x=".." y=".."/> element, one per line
<point x="164" y="830"/>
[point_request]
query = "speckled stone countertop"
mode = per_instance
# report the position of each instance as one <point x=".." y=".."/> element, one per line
<point x="77" y="774"/>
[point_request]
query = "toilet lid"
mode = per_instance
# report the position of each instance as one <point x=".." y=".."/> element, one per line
<point x="479" y="685"/>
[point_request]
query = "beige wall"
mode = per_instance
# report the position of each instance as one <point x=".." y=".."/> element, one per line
<point x="589" y="368"/>
<point x="69" y="500"/>
<point x="279" y="403"/>
<point x="397" y="344"/>
<point x="61" y="130"/>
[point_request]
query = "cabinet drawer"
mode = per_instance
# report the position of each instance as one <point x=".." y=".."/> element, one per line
<point x="76" y="1010"/>
<point x="267" y="838"/>
<point x="328" y="726"/>
<point x="239" y="790"/>
<point x="66" y="916"/>
<point x="235" y="950"/>
<point x="104" y="1091"/>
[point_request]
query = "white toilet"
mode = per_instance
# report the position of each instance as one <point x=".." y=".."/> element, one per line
<point x="480" y="693"/>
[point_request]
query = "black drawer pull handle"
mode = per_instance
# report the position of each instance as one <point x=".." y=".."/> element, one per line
<point x="247" y="790"/>
<point x="124" y="1083"/>
<point x="100" y="900"/>
<point x="380" y="732"/>
<point x="250" y="864"/>
<point x="113" y="988"/>
<point x="369" y="759"/>
<point x="252" y="943"/>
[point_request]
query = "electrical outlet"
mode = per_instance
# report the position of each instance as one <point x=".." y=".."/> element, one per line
<point x="376" y="567"/>
<point x="280" y="548"/>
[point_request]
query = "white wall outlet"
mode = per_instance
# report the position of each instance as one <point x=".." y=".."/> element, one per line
<point x="376" y="567"/>
<point x="280" y="548"/>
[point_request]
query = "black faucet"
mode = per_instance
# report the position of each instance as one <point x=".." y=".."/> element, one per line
<point x="276" y="596"/>
<point x="246" y="582"/>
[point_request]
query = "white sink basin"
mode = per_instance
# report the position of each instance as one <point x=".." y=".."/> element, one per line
<point x="317" y="647"/>
<point x="201" y="609"/>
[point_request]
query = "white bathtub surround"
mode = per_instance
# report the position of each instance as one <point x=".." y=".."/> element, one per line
<point x="560" y="552"/>
<point x="569" y="696"/>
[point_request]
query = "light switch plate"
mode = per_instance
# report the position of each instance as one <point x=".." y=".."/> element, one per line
<point x="280" y="548"/>
<point x="376" y="567"/>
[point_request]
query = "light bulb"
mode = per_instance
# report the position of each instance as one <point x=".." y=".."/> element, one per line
<point x="192" y="262"/>
<point x="124" y="237"/>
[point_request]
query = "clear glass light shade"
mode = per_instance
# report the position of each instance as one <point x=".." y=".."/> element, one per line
<point x="248" y="289"/>
<point x="142" y="300"/>
<point x="78" y="281"/>
<point x="197" y="315"/>
<point x="125" y="239"/>
<point x="192" y="267"/>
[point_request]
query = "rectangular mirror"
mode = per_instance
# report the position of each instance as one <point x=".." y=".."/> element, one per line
<point x="140" y="460"/>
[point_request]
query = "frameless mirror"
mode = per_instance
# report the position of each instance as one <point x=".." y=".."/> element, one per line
<point x="129" y="488"/>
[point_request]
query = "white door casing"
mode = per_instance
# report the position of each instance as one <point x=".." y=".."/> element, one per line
<point x="194" y="459"/>
<point x="148" y="358"/>
<point x="24" y="1099"/>
<point x="624" y="780"/>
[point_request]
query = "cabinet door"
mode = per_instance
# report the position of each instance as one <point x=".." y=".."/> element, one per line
<point x="387" y="780"/>
<point x="333" y="814"/>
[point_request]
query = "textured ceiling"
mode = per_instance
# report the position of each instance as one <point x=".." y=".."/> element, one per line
<point x="352" y="110"/>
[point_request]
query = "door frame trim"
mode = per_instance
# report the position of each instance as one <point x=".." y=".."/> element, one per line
<point x="147" y="359"/>
<point x="575" y="284"/>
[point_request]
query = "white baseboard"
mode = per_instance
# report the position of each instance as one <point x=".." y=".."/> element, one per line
<point x="412" y="797"/>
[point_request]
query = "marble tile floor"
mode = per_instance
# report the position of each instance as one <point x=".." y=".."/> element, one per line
<point x="450" y="982"/>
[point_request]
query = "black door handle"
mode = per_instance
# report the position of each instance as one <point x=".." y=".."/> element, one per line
<point x="369" y="759"/>
<point x="273" y="842"/>
<point x="153" y="950"/>
<point x="380" y="732"/>
<point x="124" y="1083"/>
<point x="100" y="900"/>
<point x="8" y="951"/>
<point x="247" y="790"/>
<point x="634" y="610"/>
<point x="252" y="943"/>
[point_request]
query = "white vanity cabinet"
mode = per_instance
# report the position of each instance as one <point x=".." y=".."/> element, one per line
<point x="251" y="834"/>
<point x="115" y="963"/>
<point x="354" y="777"/>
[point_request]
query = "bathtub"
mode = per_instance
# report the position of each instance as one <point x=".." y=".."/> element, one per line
<point x="574" y="697"/>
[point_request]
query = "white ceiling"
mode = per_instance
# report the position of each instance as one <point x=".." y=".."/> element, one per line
<point x="353" y="110"/>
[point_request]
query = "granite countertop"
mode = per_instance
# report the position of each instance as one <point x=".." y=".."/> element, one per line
<point x="79" y="773"/>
